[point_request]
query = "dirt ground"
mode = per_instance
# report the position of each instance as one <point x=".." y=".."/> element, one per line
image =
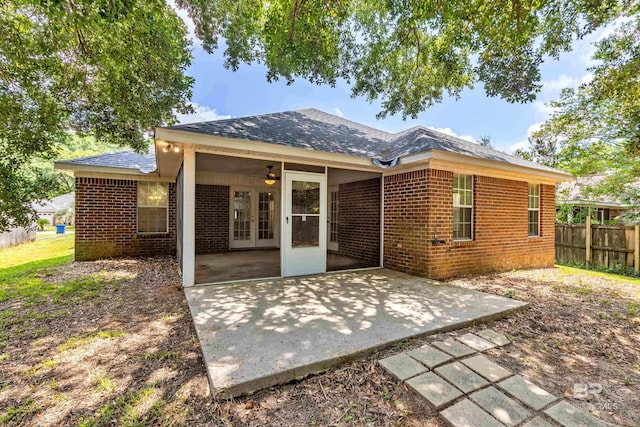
<point x="114" y="345"/>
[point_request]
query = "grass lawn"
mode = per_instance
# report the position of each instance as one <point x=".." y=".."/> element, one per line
<point x="112" y="343"/>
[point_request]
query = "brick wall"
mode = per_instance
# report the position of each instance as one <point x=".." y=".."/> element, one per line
<point x="359" y="220"/>
<point x="106" y="221"/>
<point x="212" y="218"/>
<point x="405" y="222"/>
<point x="417" y="202"/>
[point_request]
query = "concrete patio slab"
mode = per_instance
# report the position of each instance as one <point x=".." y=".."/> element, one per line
<point x="402" y="366"/>
<point x="570" y="416"/>
<point x="486" y="368"/>
<point x="538" y="422"/>
<point x="504" y="409"/>
<point x="434" y="389"/>
<point x="475" y="342"/>
<point x="261" y="333"/>
<point x="454" y="348"/>
<point x="527" y="392"/>
<point x="467" y="414"/>
<point x="493" y="336"/>
<point x="461" y="376"/>
<point x="429" y="356"/>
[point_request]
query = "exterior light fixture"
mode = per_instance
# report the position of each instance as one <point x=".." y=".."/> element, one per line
<point x="271" y="177"/>
<point x="170" y="147"/>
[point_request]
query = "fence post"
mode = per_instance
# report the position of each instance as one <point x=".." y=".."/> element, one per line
<point x="636" y="249"/>
<point x="587" y="240"/>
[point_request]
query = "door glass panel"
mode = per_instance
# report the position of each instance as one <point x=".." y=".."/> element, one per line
<point x="266" y="215"/>
<point x="305" y="209"/>
<point x="305" y="198"/>
<point x="305" y="231"/>
<point x="241" y="215"/>
<point x="333" y="232"/>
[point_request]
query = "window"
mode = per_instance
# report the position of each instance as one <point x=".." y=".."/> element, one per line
<point x="153" y="207"/>
<point x="462" y="207"/>
<point x="534" y="210"/>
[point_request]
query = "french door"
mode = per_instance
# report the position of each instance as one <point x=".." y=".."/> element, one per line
<point x="332" y="219"/>
<point x="305" y="224"/>
<point x="253" y="221"/>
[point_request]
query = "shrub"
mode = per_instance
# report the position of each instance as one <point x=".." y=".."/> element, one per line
<point x="42" y="222"/>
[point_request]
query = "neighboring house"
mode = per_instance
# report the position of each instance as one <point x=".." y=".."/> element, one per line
<point x="47" y="209"/>
<point x="574" y="201"/>
<point x="305" y="192"/>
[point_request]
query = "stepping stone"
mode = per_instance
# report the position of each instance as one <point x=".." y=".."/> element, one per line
<point x="461" y="376"/>
<point x="493" y="336"/>
<point x="402" y="366"/>
<point x="467" y="414"/>
<point x="486" y="368"/>
<point x="476" y="342"/>
<point x="429" y="356"/>
<point x="503" y="408"/>
<point x="454" y="348"/>
<point x="568" y="415"/>
<point x="538" y="422"/>
<point x="437" y="391"/>
<point x="529" y="393"/>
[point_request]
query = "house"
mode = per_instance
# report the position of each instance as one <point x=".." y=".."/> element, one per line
<point x="574" y="201"/>
<point x="305" y="192"/>
<point x="47" y="209"/>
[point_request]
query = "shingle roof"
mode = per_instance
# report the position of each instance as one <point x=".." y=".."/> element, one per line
<point x="317" y="130"/>
<point x="579" y="190"/>
<point x="55" y="204"/>
<point x="128" y="159"/>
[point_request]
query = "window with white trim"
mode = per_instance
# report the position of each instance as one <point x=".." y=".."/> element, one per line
<point x="534" y="210"/>
<point x="153" y="207"/>
<point x="462" y="207"/>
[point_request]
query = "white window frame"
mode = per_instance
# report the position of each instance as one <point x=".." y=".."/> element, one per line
<point x="458" y="205"/>
<point x="138" y="206"/>
<point x="530" y="197"/>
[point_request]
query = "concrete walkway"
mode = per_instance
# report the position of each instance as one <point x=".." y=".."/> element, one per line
<point x="261" y="333"/>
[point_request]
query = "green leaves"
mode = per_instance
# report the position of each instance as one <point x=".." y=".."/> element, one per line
<point x="111" y="69"/>
<point x="407" y="53"/>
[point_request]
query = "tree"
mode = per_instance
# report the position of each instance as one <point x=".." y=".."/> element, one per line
<point x="110" y="69"/>
<point x="486" y="141"/>
<point x="408" y="53"/>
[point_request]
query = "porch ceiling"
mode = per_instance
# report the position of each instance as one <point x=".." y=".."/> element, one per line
<point x="258" y="334"/>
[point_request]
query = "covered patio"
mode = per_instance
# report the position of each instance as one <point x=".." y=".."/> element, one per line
<point x="261" y="333"/>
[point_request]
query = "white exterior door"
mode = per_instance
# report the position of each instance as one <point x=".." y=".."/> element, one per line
<point x="305" y="224"/>
<point x="332" y="219"/>
<point x="253" y="222"/>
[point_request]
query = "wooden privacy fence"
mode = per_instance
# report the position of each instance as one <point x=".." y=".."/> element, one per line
<point x="599" y="245"/>
<point x="16" y="236"/>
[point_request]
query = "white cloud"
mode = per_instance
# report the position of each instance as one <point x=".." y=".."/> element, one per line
<point x="449" y="131"/>
<point x="338" y="112"/>
<point x="202" y="114"/>
<point x="524" y="143"/>
<point x="191" y="27"/>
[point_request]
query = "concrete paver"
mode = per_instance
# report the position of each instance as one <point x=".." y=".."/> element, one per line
<point x="402" y="366"/>
<point x="475" y="342"/>
<point x="429" y="356"/>
<point x="493" y="336"/>
<point x="433" y="388"/>
<point x="467" y="414"/>
<point x="503" y="408"/>
<point x="538" y="422"/>
<point x="461" y="376"/>
<point x="527" y="392"/>
<point x="266" y="332"/>
<point x="486" y="368"/>
<point x="453" y="347"/>
<point x="568" y="415"/>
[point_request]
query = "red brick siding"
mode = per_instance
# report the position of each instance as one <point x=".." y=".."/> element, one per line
<point x="212" y="218"/>
<point x="106" y="221"/>
<point x="359" y="220"/>
<point x="405" y="222"/>
<point x="501" y="240"/>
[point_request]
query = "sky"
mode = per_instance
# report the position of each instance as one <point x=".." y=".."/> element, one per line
<point x="220" y="93"/>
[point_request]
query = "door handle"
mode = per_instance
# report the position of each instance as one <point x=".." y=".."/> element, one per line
<point x="287" y="218"/>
